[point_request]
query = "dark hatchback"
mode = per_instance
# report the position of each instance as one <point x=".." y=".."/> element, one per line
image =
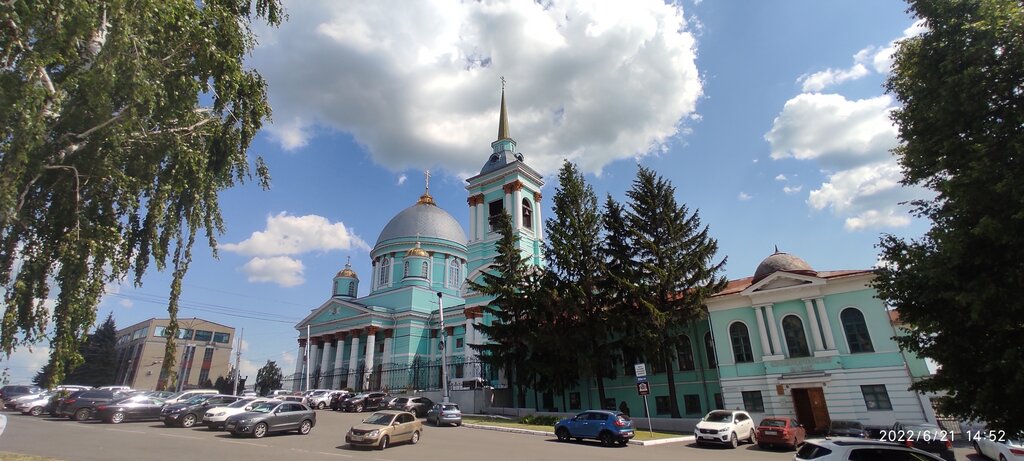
<point x="847" y="428"/>
<point x="134" y="408"/>
<point x="365" y="401"/>
<point x="190" y="412"/>
<point x="337" y="397"/>
<point x="418" y="406"/>
<point x="81" y="405"/>
<point x="926" y="437"/>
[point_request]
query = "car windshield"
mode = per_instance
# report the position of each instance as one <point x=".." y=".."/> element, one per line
<point x="175" y="396"/>
<point x="240" y="403"/>
<point x="380" y="419"/>
<point x="401" y="401"/>
<point x="360" y="396"/>
<point x="264" y="407"/>
<point x="919" y="428"/>
<point x="773" y="423"/>
<point x="197" y="399"/>
<point x="451" y="407"/>
<point x="847" y="425"/>
<point x="719" y="417"/>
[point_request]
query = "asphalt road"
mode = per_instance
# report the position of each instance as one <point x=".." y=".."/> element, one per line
<point x="94" y="440"/>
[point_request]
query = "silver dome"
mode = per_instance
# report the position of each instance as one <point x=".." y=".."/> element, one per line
<point x="780" y="261"/>
<point x="423" y="220"/>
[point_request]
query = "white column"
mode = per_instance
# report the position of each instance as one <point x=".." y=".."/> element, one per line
<point x="472" y="220"/>
<point x="385" y="358"/>
<point x="762" y="332"/>
<point x="449" y="341"/>
<point x="481" y="220"/>
<point x="325" y="363"/>
<point x="772" y="328"/>
<point x="373" y="278"/>
<point x="371" y="343"/>
<point x="813" y="319"/>
<point x="339" y="361"/>
<point x="433" y="345"/>
<point x="508" y="204"/>
<point x="538" y="223"/>
<point x="297" y="383"/>
<point x="826" y="326"/>
<point x="517" y="215"/>
<point x="353" y="359"/>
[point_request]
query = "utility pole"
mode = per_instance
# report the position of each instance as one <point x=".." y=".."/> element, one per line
<point x="444" y="351"/>
<point x="238" y="361"/>
<point x="306" y="359"/>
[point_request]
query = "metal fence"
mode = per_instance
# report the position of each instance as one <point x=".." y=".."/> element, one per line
<point x="420" y="375"/>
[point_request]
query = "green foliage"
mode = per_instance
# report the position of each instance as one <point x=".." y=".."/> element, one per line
<point x="539" y="420"/>
<point x="120" y="121"/>
<point x="961" y="122"/>
<point x="99" y="359"/>
<point x="268" y="378"/>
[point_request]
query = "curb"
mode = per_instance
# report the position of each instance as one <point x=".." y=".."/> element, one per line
<point x="514" y="430"/>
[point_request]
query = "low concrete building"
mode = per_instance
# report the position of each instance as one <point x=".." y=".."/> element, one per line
<point x="203" y="353"/>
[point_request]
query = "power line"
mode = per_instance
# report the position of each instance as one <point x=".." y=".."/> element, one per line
<point x="223" y="310"/>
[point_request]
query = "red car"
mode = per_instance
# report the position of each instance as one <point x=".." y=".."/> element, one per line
<point x="780" y="431"/>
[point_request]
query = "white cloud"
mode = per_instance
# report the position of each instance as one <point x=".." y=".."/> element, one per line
<point x="820" y="80"/>
<point x="745" y="196"/>
<point x="282" y="270"/>
<point x="780" y="177"/>
<point x="833" y="130"/>
<point x="868" y="196"/>
<point x="792" y="190"/>
<point x="249" y="368"/>
<point x="416" y="83"/>
<point x="25" y="362"/>
<point x="125" y="303"/>
<point x="292" y="235"/>
<point x="402" y="179"/>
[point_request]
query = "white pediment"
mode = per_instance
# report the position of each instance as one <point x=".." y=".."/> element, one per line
<point x="333" y="309"/>
<point x="781" y="280"/>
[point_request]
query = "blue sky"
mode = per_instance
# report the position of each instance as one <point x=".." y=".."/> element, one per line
<point x="769" y="117"/>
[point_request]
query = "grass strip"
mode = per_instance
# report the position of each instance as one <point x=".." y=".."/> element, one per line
<point x="639" y="434"/>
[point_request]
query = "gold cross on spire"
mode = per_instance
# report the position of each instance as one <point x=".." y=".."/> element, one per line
<point x="426" y="199"/>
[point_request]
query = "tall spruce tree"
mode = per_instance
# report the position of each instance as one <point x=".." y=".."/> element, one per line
<point x="961" y="127"/>
<point x="573" y="254"/>
<point x="674" y="269"/>
<point x="99" y="365"/>
<point x="511" y="281"/>
<point x="268" y="378"/>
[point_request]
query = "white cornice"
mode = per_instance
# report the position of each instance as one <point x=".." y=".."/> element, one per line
<point x="814" y="287"/>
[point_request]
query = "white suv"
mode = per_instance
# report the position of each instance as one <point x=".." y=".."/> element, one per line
<point x="726" y="427"/>
<point x="843" y="449"/>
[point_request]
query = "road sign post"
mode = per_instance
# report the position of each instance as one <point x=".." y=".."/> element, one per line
<point x="644" y="388"/>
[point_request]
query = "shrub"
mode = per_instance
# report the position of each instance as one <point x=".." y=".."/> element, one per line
<point x="539" y="420"/>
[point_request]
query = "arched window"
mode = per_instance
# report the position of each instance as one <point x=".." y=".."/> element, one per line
<point x="527" y="214"/>
<point x="352" y="289"/>
<point x="741" y="343"/>
<point x="426" y="270"/>
<point x="385" y="272"/>
<point x="455" y="273"/>
<point x="405" y="270"/>
<point x="796" y="338"/>
<point x="685" y="354"/>
<point x="709" y="347"/>
<point x="856" y="331"/>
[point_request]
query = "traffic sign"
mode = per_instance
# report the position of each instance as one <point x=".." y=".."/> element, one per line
<point x="643" y="388"/>
<point x="641" y="369"/>
<point x="641" y="379"/>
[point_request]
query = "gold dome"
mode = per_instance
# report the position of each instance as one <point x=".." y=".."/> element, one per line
<point x="347" y="271"/>
<point x="417" y="251"/>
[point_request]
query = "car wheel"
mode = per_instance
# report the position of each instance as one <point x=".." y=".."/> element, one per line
<point x="734" y="441"/>
<point x="188" y="420"/>
<point x="117" y="417"/>
<point x="305" y="427"/>
<point x="82" y="414"/>
<point x="753" y="437"/>
<point x="358" y="409"/>
<point x="562" y="434"/>
<point x="320" y="406"/>
<point x="383" y="442"/>
<point x="36" y="411"/>
<point x="259" y="431"/>
<point x="415" y="438"/>
<point x="607" y="439"/>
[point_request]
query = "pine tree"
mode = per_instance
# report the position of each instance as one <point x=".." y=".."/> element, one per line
<point x="268" y="378"/>
<point x="673" y="267"/>
<point x="99" y="365"/>
<point x="509" y="280"/>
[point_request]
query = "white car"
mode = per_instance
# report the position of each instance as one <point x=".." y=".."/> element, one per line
<point x="725" y="427"/>
<point x="215" y="417"/>
<point x="185" y="395"/>
<point x="34" y="406"/>
<point x="847" y="448"/>
<point x="993" y="445"/>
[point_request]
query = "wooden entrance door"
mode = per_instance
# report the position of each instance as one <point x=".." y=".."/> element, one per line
<point x="811" y="409"/>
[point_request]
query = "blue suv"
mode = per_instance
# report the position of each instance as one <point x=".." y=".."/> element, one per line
<point x="610" y="427"/>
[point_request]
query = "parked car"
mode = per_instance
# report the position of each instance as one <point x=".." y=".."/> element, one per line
<point x="997" y="446"/>
<point x="418" y="406"/>
<point x="162" y="395"/>
<point x="13" y="390"/>
<point x="725" y="427"/>
<point x="116" y="388"/>
<point x="279" y="392"/>
<point x="847" y="428"/>
<point x="34" y="405"/>
<point x="936" y="440"/>
<point x="215" y="417"/>
<point x="272" y="416"/>
<point x="610" y="427"/>
<point x="384" y="427"/>
<point x="249" y="394"/>
<point x="445" y="413"/>
<point x="846" y="448"/>
<point x="189" y="413"/>
<point x="69" y="388"/>
<point x="14" y="402"/>
<point x="338" y="398"/>
<point x="364" y="401"/>
<point x="81" y="405"/>
<point x="186" y="395"/>
<point x="780" y="431"/>
<point x="320" y="398"/>
<point x="134" y="408"/>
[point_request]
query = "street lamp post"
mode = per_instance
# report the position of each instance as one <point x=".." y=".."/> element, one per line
<point x="444" y="350"/>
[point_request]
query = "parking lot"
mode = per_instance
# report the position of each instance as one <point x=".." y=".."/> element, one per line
<point x="94" y="440"/>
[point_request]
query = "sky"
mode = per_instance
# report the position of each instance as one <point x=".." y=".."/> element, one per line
<point x="769" y="117"/>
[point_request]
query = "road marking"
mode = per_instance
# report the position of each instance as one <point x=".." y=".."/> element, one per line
<point x="126" y="430"/>
<point x="182" y="436"/>
<point x="246" y="443"/>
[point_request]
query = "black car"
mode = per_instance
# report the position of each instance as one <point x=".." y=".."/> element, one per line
<point x="925" y="437"/>
<point x="81" y="405"/>
<point x="136" y="407"/>
<point x="847" y="428"/>
<point x="418" y="406"/>
<point x="338" y="397"/>
<point x="365" y="401"/>
<point x="190" y="412"/>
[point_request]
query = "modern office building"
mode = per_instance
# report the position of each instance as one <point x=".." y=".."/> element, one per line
<point x="203" y="353"/>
